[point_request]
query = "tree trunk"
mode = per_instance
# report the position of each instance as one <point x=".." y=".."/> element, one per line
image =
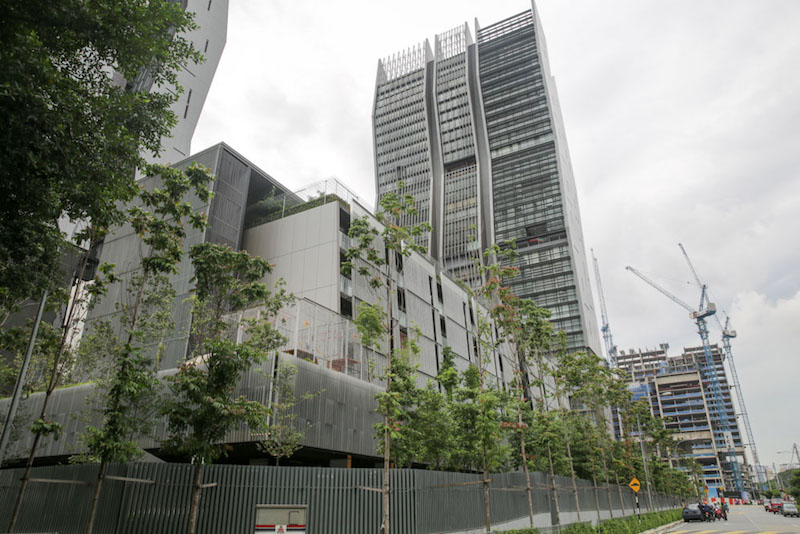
<point x="596" y="500"/>
<point x="487" y="515"/>
<point x="572" y="470"/>
<point x="387" y="420"/>
<point x="486" y="505"/>
<point x="524" y="456"/>
<point x="553" y="485"/>
<point x="386" y="466"/>
<point x="55" y="376"/>
<point x="115" y="401"/>
<point x="23" y="485"/>
<point x="96" y="497"/>
<point x="621" y="498"/>
<point x="196" y="489"/>
<point x="523" y="453"/>
<point x="608" y="487"/>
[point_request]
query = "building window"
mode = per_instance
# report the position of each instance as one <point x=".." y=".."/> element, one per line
<point x="401" y="300"/>
<point x="443" y="326"/>
<point x="346" y="307"/>
<point x="188" y="99"/>
<point x="205" y="49"/>
<point x="209" y="5"/>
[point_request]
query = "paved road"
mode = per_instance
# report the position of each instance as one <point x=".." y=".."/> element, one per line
<point x="743" y="520"/>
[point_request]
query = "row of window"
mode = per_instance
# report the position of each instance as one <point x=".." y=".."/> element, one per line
<point x="530" y="86"/>
<point x="502" y="83"/>
<point x="419" y="170"/>
<point x="532" y="103"/>
<point x="415" y="153"/>
<point x="529" y="288"/>
<point x="550" y="268"/>
<point x="527" y="143"/>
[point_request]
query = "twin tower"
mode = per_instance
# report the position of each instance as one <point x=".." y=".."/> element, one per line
<point x="473" y="131"/>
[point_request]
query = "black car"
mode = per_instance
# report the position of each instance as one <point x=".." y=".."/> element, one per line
<point x="692" y="512"/>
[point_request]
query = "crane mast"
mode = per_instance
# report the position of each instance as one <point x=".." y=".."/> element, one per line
<point x="611" y="349"/>
<point x="728" y="334"/>
<point x="707" y="309"/>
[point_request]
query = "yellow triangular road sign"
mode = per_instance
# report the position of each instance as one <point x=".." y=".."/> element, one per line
<point x="634" y="484"/>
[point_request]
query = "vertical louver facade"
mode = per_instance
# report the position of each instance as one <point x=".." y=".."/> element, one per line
<point x="472" y="129"/>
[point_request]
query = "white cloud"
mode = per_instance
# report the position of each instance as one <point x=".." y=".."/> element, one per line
<point x="767" y="355"/>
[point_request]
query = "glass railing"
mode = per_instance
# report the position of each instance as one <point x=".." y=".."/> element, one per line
<point x="345" y="286"/>
<point x="344" y="240"/>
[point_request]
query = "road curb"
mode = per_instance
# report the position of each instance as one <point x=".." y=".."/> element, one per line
<point x="663" y="528"/>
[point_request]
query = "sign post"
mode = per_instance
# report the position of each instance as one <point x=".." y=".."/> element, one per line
<point x="636" y="486"/>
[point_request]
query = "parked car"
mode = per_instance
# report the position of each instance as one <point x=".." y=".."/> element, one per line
<point x="692" y="512"/>
<point x="789" y="509"/>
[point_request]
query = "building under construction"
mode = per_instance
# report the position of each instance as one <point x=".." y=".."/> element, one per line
<point x="679" y="392"/>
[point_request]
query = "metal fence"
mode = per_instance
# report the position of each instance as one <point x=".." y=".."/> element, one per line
<point x="338" y="500"/>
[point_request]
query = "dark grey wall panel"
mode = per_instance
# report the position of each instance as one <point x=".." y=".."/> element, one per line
<point x="422" y="502"/>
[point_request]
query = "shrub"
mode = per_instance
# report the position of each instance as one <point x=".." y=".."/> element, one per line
<point x="633" y="524"/>
<point x="580" y="528"/>
<point x="626" y="525"/>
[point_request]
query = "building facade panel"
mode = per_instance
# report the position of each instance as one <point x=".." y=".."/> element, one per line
<point x="506" y="174"/>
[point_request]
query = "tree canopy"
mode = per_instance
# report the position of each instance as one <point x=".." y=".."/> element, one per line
<point x="73" y="130"/>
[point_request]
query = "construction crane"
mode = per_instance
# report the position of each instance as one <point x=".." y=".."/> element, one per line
<point x="704" y="310"/>
<point x="611" y="349"/>
<point x="727" y="334"/>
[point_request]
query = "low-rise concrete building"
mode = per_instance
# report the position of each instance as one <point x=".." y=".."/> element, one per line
<point x="305" y="237"/>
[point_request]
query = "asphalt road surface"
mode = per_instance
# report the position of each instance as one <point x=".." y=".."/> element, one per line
<point x="743" y="520"/>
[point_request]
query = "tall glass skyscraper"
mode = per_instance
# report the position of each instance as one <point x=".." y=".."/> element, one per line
<point x="472" y="129"/>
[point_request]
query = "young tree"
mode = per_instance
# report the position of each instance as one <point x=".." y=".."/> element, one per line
<point x="282" y="437"/>
<point x="159" y="220"/>
<point x="487" y="399"/>
<point x="202" y="406"/>
<point x="433" y="427"/>
<point x="74" y="136"/>
<point x="536" y="341"/>
<point x="58" y="355"/>
<point x="559" y="372"/>
<point x="374" y="254"/>
<point x="586" y="380"/>
<point x="511" y="316"/>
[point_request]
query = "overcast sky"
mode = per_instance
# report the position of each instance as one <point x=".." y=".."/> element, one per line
<point x="683" y="119"/>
